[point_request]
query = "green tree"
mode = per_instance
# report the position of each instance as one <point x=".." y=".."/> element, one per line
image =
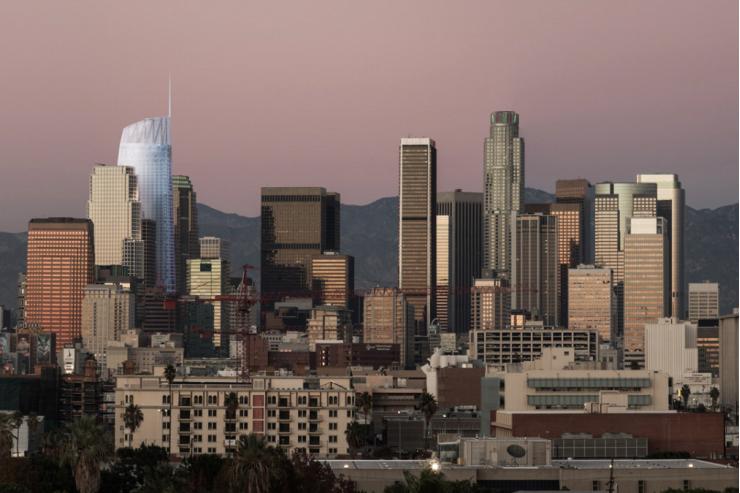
<point x="428" y="407"/>
<point x="364" y="401"/>
<point x="170" y="373"/>
<point x="161" y="478"/>
<point x="86" y="446"/>
<point x="714" y="394"/>
<point x="130" y="468"/>
<point x="132" y="419"/>
<point x="7" y="425"/>
<point x="201" y="472"/>
<point x="685" y="394"/>
<point x="255" y="467"/>
<point x="431" y="482"/>
<point x="356" y="434"/>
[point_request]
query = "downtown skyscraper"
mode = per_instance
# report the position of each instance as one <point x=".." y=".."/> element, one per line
<point x="417" y="227"/>
<point x="503" y="189"/>
<point x="297" y="224"/>
<point x="145" y="146"/>
<point x="671" y="206"/>
<point x="459" y="243"/>
<point x="61" y="260"/>
<point x="115" y="211"/>
<point x="185" y="215"/>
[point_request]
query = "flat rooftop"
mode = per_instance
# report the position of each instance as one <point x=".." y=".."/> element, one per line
<point x="568" y="464"/>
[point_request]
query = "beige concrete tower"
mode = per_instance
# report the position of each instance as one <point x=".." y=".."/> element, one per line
<point x="113" y="207"/>
<point x="703" y="301"/>
<point x="591" y="300"/>
<point x="107" y="312"/>
<point x="646" y="282"/>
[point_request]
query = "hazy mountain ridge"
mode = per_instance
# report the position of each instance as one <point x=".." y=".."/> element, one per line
<point x="370" y="233"/>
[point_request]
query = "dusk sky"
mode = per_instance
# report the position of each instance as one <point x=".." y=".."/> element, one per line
<point x="319" y="93"/>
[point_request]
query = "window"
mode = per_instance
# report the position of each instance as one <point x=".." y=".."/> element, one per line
<point x="332" y="413"/>
<point x="271" y="413"/>
<point x="271" y="400"/>
<point x="350" y="400"/>
<point x="166" y="425"/>
<point x="198" y="399"/>
<point x="213" y="400"/>
<point x="165" y="399"/>
<point x="271" y="438"/>
<point x="332" y="451"/>
<point x="301" y="438"/>
<point x="243" y="426"/>
<point x="302" y="400"/>
<point x="197" y="425"/>
<point x="243" y="400"/>
<point x="198" y="413"/>
<point x="211" y="450"/>
<point x="596" y="486"/>
<point x="641" y="486"/>
<point x="333" y="400"/>
<point x="211" y="413"/>
<point x="211" y="438"/>
<point x="211" y="425"/>
<point x="301" y="426"/>
<point x="205" y="267"/>
<point x="165" y="438"/>
<point x="271" y="426"/>
<point x="332" y="426"/>
<point x="301" y="413"/>
<point x="686" y="485"/>
<point x="243" y="413"/>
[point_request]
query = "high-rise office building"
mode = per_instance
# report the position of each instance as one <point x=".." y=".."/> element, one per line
<point x="389" y="319"/>
<point x="591" y="300"/>
<point x="459" y="256"/>
<point x="145" y="146"/>
<point x="581" y="192"/>
<point x="503" y="192"/>
<point x="185" y="215"/>
<point x="113" y="207"/>
<point x="614" y="206"/>
<point x="703" y="300"/>
<point x="646" y="281"/>
<point x="670" y="347"/>
<point x="707" y="342"/>
<point x="297" y="224"/>
<point x="534" y="267"/>
<point x="671" y="205"/>
<point x="215" y="247"/>
<point x="490" y="304"/>
<point x="416" y="227"/>
<point x="149" y="239"/>
<point x="328" y="323"/>
<point x="570" y="231"/>
<point x="60" y="264"/>
<point x="728" y="361"/>
<point x="209" y="278"/>
<point x="333" y="276"/>
<point x="107" y="312"/>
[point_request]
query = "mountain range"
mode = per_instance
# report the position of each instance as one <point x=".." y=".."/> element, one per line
<point x="370" y="233"/>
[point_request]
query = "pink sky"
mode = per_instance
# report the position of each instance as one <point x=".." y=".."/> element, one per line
<point x="319" y="93"/>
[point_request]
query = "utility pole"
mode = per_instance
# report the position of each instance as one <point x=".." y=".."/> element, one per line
<point x="611" y="476"/>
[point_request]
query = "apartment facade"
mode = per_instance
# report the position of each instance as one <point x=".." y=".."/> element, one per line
<point x="290" y="412"/>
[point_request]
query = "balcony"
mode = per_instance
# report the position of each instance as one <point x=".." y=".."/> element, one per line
<point x="230" y="442"/>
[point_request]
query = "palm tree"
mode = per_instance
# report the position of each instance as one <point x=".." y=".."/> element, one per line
<point x="132" y="418"/>
<point x="714" y="394"/>
<point x="251" y="469"/>
<point x="685" y="393"/>
<point x="86" y="446"/>
<point x="170" y="373"/>
<point x="428" y="407"/>
<point x="355" y="433"/>
<point x="7" y="424"/>
<point x="364" y="401"/>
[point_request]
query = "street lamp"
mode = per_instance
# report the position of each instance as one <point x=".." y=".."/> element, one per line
<point x="435" y="466"/>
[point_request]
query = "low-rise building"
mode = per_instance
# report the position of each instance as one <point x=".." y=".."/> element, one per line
<point x="291" y="412"/>
<point x="517" y="345"/>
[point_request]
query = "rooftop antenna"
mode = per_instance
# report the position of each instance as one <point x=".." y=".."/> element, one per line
<point x="169" y="96"/>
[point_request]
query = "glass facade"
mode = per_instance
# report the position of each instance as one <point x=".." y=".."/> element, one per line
<point x="145" y="146"/>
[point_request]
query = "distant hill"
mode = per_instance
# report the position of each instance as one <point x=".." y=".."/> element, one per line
<point x="370" y="234"/>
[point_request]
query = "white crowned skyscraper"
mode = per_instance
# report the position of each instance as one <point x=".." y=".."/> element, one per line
<point x="503" y="174"/>
<point x="145" y="146"/>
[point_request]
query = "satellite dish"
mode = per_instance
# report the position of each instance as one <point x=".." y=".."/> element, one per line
<point x="516" y="451"/>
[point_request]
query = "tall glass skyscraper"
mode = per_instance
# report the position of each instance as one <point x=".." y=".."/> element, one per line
<point x="503" y="193"/>
<point x="145" y="146"/>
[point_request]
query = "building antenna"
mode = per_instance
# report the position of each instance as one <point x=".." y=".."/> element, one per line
<point x="169" y="96"/>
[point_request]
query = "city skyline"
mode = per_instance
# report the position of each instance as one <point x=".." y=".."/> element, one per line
<point x="640" y="129"/>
